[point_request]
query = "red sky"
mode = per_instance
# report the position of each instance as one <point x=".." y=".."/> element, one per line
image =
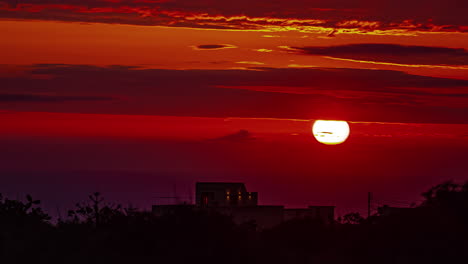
<point x="176" y="73"/>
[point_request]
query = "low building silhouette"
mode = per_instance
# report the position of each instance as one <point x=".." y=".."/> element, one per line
<point x="393" y="210"/>
<point x="233" y="199"/>
<point x="325" y="214"/>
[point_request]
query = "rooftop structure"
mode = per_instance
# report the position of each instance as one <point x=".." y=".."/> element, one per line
<point x="224" y="194"/>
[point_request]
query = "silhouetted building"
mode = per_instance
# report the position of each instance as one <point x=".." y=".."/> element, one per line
<point x="234" y="200"/>
<point x="224" y="194"/>
<point x="264" y="216"/>
<point x="326" y="214"/>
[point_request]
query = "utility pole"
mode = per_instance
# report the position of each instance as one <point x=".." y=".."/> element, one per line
<point x="369" y="201"/>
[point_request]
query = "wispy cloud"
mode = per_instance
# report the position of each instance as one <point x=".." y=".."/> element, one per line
<point x="393" y="54"/>
<point x="38" y="98"/>
<point x="250" y="62"/>
<point x="264" y="50"/>
<point x="337" y="16"/>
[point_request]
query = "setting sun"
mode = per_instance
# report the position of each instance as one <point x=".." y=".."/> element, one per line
<point x="330" y="132"/>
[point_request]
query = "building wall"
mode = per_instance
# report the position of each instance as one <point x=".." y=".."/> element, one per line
<point x="290" y="214"/>
<point x="326" y="214"/>
<point x="214" y="194"/>
<point x="263" y="216"/>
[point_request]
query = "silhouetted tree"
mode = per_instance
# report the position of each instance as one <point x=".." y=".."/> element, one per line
<point x="351" y="218"/>
<point x="436" y="231"/>
<point x="18" y="212"/>
<point x="96" y="212"/>
<point x="24" y="230"/>
<point x="447" y="194"/>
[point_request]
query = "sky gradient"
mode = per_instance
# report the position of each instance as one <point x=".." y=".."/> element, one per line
<point x="134" y="96"/>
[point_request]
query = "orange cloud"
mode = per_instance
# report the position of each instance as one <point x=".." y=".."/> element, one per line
<point x="339" y="16"/>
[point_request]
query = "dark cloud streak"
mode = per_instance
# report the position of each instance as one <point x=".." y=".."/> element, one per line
<point x="317" y="84"/>
<point x="352" y="94"/>
<point x="214" y="47"/>
<point x="35" y="98"/>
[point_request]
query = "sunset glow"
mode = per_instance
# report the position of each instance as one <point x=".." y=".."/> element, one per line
<point x="153" y="93"/>
<point x="330" y="132"/>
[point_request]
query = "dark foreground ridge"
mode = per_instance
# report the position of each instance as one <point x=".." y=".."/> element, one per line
<point x="436" y="231"/>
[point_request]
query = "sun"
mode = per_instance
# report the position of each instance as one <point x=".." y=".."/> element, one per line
<point x="330" y="132"/>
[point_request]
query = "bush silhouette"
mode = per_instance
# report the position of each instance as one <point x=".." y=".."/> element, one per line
<point x="435" y="231"/>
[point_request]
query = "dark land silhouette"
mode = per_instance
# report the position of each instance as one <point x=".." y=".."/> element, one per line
<point x="435" y="231"/>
